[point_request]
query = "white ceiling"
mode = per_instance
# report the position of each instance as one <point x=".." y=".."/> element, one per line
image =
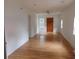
<point x="44" y="5"/>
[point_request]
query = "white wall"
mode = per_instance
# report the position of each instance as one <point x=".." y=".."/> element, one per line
<point x="33" y="24"/>
<point x="68" y="23"/>
<point x="57" y="21"/>
<point x="16" y="25"/>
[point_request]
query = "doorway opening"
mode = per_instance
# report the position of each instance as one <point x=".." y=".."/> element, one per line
<point x="49" y="24"/>
<point x="45" y="24"/>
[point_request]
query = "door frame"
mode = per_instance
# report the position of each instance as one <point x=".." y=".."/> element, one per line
<point x="53" y="23"/>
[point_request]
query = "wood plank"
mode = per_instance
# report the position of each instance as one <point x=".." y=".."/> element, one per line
<point x="49" y="46"/>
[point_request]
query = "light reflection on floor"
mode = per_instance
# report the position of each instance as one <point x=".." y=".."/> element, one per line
<point x="42" y="41"/>
<point x="56" y="47"/>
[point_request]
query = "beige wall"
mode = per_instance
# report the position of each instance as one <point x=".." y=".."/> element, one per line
<point x="16" y="25"/>
<point x="68" y="23"/>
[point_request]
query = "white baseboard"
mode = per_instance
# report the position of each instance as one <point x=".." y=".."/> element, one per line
<point x="15" y="48"/>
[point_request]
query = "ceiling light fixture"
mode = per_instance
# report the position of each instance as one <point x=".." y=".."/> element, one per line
<point x="47" y="11"/>
<point x="62" y="1"/>
<point x="21" y="8"/>
<point x="34" y="4"/>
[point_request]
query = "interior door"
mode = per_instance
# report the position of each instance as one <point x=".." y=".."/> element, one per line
<point x="50" y="24"/>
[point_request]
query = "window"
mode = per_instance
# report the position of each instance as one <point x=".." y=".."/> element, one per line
<point x="61" y="23"/>
<point x="74" y="27"/>
<point x="41" y="25"/>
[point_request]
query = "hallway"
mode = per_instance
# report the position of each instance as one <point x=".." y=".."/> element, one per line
<point x="49" y="46"/>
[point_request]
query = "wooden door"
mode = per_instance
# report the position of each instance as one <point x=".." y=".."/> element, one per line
<point x="49" y="24"/>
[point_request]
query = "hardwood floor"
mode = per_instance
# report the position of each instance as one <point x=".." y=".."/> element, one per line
<point x="49" y="46"/>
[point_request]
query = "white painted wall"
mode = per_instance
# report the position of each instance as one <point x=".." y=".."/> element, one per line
<point x="33" y="24"/>
<point x="68" y="23"/>
<point x="16" y="25"/>
<point x="56" y="25"/>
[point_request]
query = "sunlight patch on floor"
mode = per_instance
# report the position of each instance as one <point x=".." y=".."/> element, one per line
<point x="55" y="47"/>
